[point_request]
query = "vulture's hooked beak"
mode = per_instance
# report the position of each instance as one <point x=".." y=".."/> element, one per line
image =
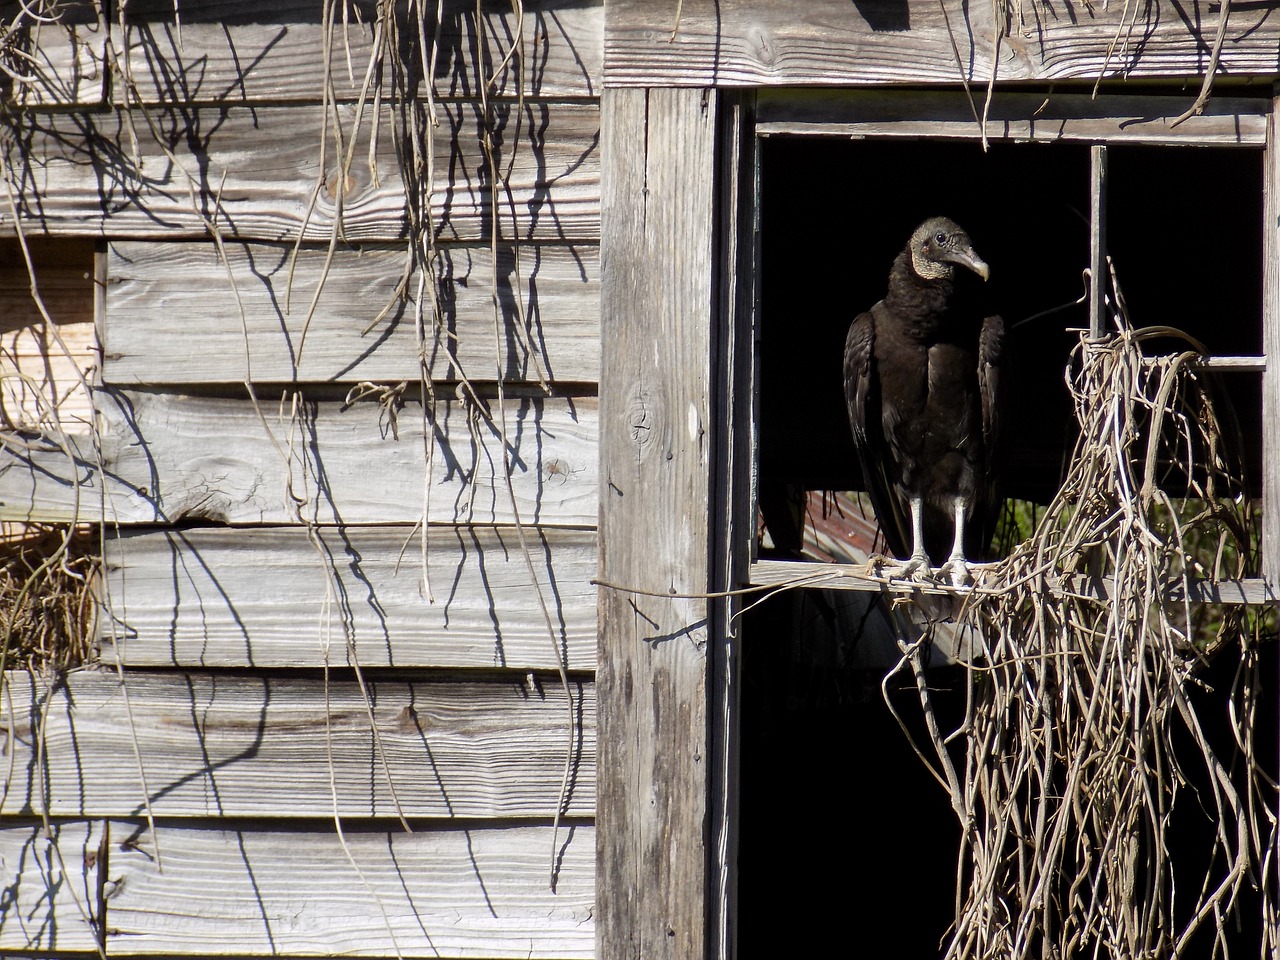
<point x="967" y="258"/>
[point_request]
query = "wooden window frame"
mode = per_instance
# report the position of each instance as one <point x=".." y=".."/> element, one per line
<point x="1243" y="123"/>
<point x="680" y="222"/>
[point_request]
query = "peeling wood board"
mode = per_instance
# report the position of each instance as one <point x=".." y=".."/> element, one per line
<point x="50" y="886"/>
<point x="1055" y="117"/>
<point x="226" y="745"/>
<point x="230" y="51"/>
<point x="257" y="598"/>
<point x="833" y="42"/>
<point x="174" y="314"/>
<point x="450" y="892"/>
<point x="63" y="47"/>
<point x="44" y="368"/>
<point x="255" y="170"/>
<point x="169" y="458"/>
<point x="655" y="456"/>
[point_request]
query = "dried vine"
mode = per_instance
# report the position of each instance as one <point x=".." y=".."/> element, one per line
<point x="1089" y="749"/>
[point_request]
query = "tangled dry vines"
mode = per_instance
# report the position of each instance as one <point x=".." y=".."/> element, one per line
<point x="1110" y="804"/>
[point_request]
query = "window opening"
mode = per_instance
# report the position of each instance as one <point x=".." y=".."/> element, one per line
<point x="820" y="751"/>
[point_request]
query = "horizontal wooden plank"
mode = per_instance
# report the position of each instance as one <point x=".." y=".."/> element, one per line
<point x="1226" y="121"/>
<point x="263" y="597"/>
<point x="169" y="458"/>
<point x="255" y="171"/>
<point x="44" y="367"/>
<point x="233" y="51"/>
<point x="833" y="42"/>
<point x="437" y="893"/>
<point x="846" y="576"/>
<point x="50" y="886"/>
<point x="549" y="298"/>
<point x="54" y="480"/>
<point x="54" y="54"/>
<point x="271" y="746"/>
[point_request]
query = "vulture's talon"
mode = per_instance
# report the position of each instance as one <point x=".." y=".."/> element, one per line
<point x="957" y="572"/>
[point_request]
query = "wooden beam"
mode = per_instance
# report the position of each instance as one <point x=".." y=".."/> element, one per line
<point x="1056" y="117"/>
<point x="255" y="171"/>
<point x="796" y="574"/>
<point x="549" y="298"/>
<point x="833" y="42"/>
<point x="241" y="745"/>
<point x="657" y="296"/>
<point x="1271" y="348"/>
<point x="258" y="597"/>
<point x="1099" y="267"/>
<point x="482" y="891"/>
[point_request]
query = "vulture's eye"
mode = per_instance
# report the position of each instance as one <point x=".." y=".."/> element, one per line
<point x="941" y="238"/>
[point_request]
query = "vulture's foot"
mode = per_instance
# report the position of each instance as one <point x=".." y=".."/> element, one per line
<point x="956" y="570"/>
<point x="915" y="567"/>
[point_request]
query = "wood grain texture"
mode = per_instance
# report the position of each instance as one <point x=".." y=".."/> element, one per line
<point x="169" y="458"/>
<point x="43" y="366"/>
<point x="255" y="170"/>
<point x="750" y="43"/>
<point x="655" y="484"/>
<point x="226" y="745"/>
<point x="1049" y="118"/>
<point x="443" y="892"/>
<point x="231" y="51"/>
<point x="174" y="314"/>
<point x="1271" y="348"/>
<point x="257" y="597"/>
<point x="53" y="54"/>
<point x="49" y="882"/>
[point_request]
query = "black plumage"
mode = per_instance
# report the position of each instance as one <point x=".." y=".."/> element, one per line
<point x="921" y="377"/>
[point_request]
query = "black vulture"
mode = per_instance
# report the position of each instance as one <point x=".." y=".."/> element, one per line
<point x="921" y="377"/>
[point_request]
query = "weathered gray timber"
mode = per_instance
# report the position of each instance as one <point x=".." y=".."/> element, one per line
<point x="62" y="49"/>
<point x="477" y="892"/>
<point x="174" y="314"/>
<point x="228" y="745"/>
<point x="657" y="295"/>
<point x="168" y="457"/>
<point x="222" y="52"/>
<point x="50" y="885"/>
<point x="273" y="597"/>
<point x="1271" y="348"/>
<point x="254" y="172"/>
<point x="833" y="42"/>
<point x="1053" y="117"/>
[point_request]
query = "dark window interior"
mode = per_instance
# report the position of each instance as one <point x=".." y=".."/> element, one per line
<point x="844" y="836"/>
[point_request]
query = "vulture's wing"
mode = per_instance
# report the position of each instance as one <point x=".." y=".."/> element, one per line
<point x="862" y="394"/>
<point x="990" y="352"/>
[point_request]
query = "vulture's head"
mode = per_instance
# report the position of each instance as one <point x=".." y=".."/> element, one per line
<point x="938" y="245"/>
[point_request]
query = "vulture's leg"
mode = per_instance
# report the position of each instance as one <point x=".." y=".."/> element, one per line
<point x="957" y="568"/>
<point x="919" y="560"/>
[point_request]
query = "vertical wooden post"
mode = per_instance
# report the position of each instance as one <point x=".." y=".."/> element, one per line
<point x="657" y="302"/>
<point x="1099" y="273"/>
<point x="1271" y="350"/>
<point x="733" y="413"/>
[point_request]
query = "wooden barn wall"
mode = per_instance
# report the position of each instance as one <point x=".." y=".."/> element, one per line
<point x="843" y="42"/>
<point x="228" y="783"/>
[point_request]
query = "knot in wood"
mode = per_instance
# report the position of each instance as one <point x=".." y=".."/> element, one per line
<point x="641" y="421"/>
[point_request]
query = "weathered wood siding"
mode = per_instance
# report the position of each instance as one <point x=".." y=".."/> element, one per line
<point x="290" y="665"/>
<point x="838" y="42"/>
